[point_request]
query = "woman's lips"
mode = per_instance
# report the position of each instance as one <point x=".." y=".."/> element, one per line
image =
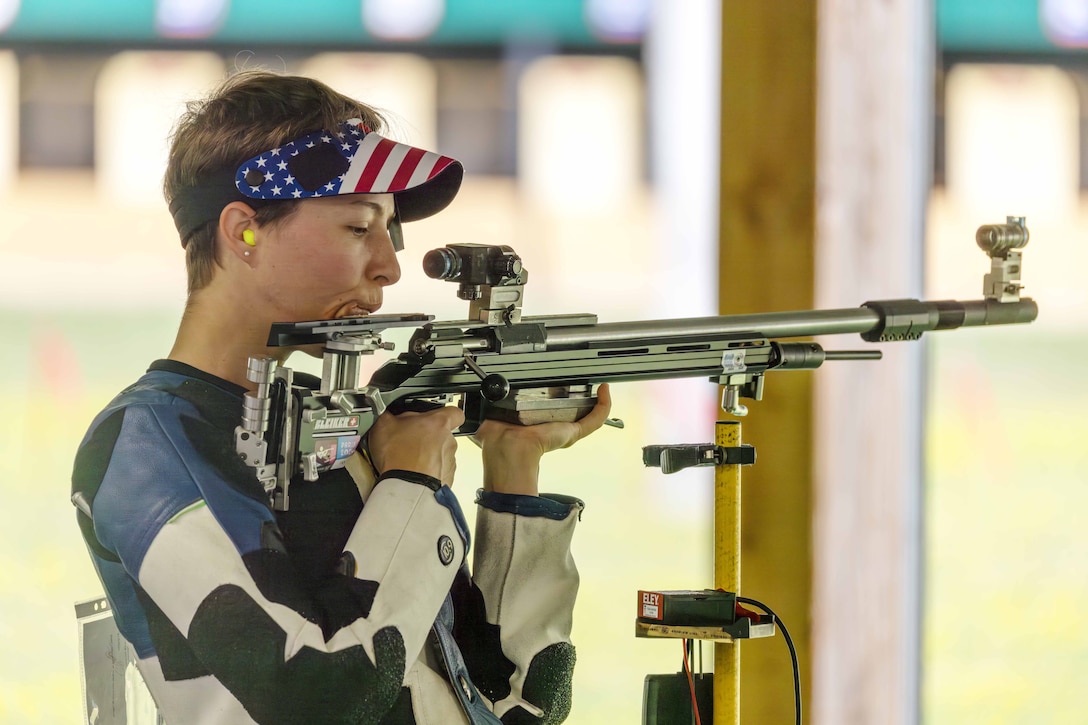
<point x="351" y="309"/>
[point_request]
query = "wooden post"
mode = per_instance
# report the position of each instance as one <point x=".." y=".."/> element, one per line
<point x="844" y="543"/>
<point x="768" y="116"/>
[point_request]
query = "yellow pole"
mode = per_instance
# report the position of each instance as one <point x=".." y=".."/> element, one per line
<point x="727" y="571"/>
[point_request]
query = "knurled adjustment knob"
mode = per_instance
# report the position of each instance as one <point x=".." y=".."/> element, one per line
<point x="507" y="265"/>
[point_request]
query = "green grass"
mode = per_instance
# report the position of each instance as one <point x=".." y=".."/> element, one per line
<point x="61" y="370"/>
<point x="1007" y="548"/>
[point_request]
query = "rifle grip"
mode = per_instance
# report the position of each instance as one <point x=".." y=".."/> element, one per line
<point x="413" y="405"/>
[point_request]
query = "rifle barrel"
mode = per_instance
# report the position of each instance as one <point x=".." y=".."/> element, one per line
<point x="770" y="324"/>
<point x="917" y="317"/>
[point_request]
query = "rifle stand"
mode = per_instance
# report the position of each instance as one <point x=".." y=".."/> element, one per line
<point x="710" y="614"/>
<point x="727" y="434"/>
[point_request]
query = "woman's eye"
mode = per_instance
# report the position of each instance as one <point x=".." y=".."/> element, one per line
<point x="358" y="231"/>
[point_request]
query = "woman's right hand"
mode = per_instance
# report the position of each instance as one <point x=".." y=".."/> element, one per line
<point x="419" y="442"/>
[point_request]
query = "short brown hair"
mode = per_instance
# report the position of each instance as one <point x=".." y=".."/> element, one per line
<point x="250" y="112"/>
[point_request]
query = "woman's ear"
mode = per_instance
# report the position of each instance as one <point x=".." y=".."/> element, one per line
<point x="237" y="231"/>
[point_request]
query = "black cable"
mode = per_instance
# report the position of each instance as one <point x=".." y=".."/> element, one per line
<point x="789" y="643"/>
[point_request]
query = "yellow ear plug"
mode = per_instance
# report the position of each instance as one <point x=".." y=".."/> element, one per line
<point x="249" y="238"/>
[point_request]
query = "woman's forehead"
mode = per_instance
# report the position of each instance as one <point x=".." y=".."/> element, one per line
<point x="377" y="203"/>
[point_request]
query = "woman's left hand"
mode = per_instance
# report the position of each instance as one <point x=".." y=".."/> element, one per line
<point x="512" y="453"/>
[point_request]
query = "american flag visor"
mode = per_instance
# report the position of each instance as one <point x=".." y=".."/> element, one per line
<point x="353" y="160"/>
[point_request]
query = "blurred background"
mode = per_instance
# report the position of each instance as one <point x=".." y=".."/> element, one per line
<point x="590" y="133"/>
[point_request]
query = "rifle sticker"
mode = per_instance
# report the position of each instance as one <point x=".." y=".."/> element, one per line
<point x="334" y="452"/>
<point x="347" y="446"/>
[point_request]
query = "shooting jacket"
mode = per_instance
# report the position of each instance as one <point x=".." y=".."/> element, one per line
<point x="355" y="606"/>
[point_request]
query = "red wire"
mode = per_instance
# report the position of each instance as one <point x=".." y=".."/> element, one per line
<point x="691" y="684"/>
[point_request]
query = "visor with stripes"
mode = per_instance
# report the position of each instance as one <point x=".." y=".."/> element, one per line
<point x="352" y="160"/>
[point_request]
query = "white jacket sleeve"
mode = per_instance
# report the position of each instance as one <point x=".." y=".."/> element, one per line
<point x="522" y="657"/>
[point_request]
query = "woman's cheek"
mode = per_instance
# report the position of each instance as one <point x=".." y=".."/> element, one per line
<point x="337" y="284"/>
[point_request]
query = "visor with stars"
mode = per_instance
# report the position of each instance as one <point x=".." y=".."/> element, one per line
<point x="353" y="160"/>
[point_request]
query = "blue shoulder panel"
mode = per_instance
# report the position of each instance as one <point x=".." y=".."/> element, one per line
<point x="155" y="473"/>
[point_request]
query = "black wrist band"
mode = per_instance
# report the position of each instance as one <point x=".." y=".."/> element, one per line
<point x="412" y="477"/>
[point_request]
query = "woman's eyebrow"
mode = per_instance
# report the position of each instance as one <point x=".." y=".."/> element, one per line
<point x="372" y="204"/>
